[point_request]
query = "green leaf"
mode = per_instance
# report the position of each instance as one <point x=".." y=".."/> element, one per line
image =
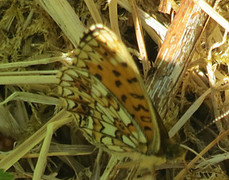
<point x="6" y="175"/>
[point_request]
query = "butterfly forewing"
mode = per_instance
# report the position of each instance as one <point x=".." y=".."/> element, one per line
<point x="121" y="115"/>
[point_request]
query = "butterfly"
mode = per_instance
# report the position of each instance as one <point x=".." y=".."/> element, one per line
<point x="104" y="90"/>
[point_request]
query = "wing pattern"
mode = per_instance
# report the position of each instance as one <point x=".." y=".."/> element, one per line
<point x="104" y="89"/>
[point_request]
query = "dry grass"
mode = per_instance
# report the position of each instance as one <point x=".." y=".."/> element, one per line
<point x="34" y="36"/>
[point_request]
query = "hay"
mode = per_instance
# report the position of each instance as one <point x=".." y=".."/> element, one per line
<point x="188" y="86"/>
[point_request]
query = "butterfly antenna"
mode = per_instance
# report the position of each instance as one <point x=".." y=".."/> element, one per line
<point x="209" y="124"/>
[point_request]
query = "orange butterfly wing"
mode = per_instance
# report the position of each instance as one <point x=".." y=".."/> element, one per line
<point x="105" y="79"/>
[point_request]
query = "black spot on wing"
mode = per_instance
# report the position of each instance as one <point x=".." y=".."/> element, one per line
<point x="123" y="97"/>
<point x="116" y="73"/>
<point x="118" y="83"/>
<point x="136" y="96"/>
<point x="139" y="107"/>
<point x="98" y="76"/>
<point x="124" y="64"/>
<point x="100" y="67"/>
<point x="132" y="80"/>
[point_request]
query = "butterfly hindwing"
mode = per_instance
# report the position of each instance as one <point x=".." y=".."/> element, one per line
<point x="101" y="114"/>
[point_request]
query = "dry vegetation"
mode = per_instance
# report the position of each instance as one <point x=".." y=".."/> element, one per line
<point x="188" y="85"/>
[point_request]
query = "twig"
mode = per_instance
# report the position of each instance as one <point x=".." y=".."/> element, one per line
<point x="213" y="14"/>
<point x="114" y="17"/>
<point x="140" y="39"/>
<point x="94" y="11"/>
